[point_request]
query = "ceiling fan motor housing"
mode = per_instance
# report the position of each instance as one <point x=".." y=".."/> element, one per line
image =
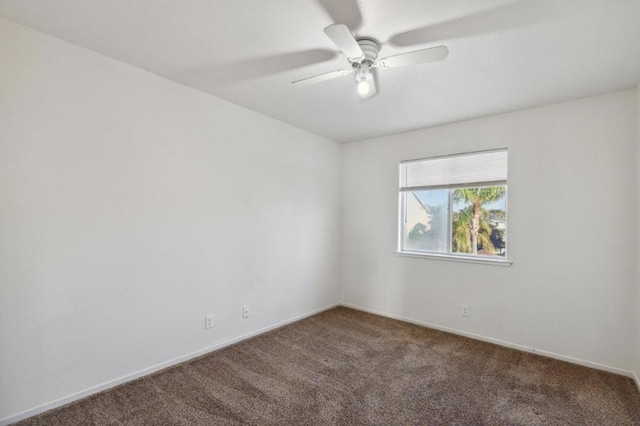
<point x="370" y="48"/>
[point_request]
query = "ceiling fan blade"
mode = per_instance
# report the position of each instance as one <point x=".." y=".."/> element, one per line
<point x="346" y="11"/>
<point x="258" y="66"/>
<point x="342" y="37"/>
<point x="321" y="77"/>
<point x="512" y="16"/>
<point x="432" y="54"/>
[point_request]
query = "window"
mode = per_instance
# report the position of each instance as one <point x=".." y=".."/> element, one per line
<point x="455" y="206"/>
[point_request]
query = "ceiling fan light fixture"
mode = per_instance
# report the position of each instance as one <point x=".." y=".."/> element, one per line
<point x="364" y="88"/>
<point x="362" y="72"/>
<point x="364" y="79"/>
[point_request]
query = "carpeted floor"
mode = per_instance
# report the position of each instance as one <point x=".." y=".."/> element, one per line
<point x="347" y="367"/>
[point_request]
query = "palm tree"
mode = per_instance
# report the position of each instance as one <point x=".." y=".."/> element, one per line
<point x="461" y="240"/>
<point x="474" y="219"/>
<point x="462" y="232"/>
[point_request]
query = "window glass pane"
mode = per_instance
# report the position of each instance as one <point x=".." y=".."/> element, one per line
<point x="479" y="221"/>
<point x="426" y="216"/>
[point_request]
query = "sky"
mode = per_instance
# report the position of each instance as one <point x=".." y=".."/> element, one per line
<point x="439" y="197"/>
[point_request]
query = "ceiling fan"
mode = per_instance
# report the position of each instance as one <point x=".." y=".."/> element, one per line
<point x="362" y="54"/>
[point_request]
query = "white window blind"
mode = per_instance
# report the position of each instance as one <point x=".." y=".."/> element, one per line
<point x="480" y="168"/>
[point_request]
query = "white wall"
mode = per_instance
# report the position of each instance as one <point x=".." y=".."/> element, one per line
<point x="637" y="192"/>
<point x="571" y="226"/>
<point x="131" y="206"/>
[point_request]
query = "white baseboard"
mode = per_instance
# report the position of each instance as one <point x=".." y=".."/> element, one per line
<point x="146" y="371"/>
<point x="516" y="346"/>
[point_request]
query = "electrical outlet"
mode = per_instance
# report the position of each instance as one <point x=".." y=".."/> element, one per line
<point x="245" y="311"/>
<point x="465" y="310"/>
<point x="208" y="321"/>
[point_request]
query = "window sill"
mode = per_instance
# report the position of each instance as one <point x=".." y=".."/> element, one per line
<point x="450" y="258"/>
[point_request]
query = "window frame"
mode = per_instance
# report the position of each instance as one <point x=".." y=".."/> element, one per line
<point x="450" y="255"/>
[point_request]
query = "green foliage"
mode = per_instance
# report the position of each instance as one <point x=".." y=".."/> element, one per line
<point x="497" y="238"/>
<point x="471" y="228"/>
<point x="461" y="232"/>
<point x="462" y="236"/>
<point x="479" y="196"/>
<point x="498" y="215"/>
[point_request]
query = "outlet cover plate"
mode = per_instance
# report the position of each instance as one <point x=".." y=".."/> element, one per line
<point x="465" y="310"/>
<point x="208" y="321"/>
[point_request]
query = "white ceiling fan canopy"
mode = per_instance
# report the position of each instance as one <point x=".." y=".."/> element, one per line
<point x="370" y="48"/>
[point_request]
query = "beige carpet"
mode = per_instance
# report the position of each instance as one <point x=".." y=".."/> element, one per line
<point x="346" y="367"/>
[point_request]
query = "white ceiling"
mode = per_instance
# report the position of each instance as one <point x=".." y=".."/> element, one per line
<point x="504" y="54"/>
